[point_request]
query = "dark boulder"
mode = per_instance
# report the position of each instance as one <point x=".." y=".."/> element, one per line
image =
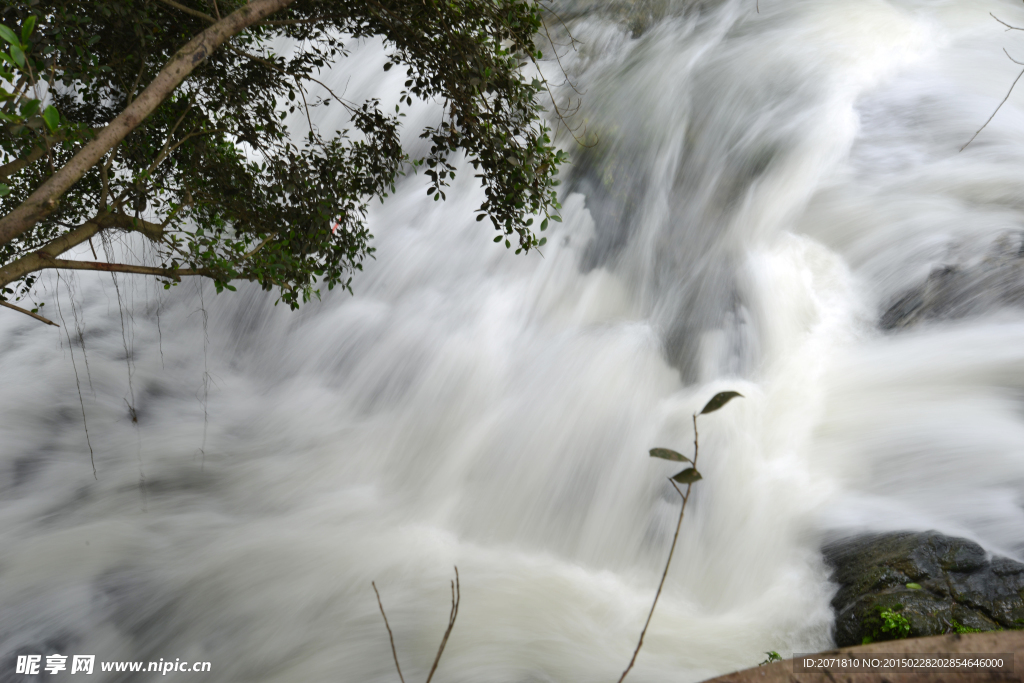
<point x="921" y="584"/>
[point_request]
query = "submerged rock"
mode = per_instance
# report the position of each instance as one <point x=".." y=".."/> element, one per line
<point x="921" y="584"/>
<point x="964" y="287"/>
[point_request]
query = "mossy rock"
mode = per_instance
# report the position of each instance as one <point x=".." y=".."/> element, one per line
<point x="953" y="586"/>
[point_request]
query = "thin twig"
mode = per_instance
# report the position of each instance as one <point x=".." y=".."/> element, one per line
<point x="456" y="597"/>
<point x="138" y="78"/>
<point x="558" y="58"/>
<point x="1000" y="104"/>
<point x="19" y="309"/>
<point x="394" y="652"/>
<point x="305" y="106"/>
<point x="696" y="446"/>
<point x="1008" y="26"/>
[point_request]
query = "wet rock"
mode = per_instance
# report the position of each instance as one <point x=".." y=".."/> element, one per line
<point x="963" y="287"/>
<point x="932" y="583"/>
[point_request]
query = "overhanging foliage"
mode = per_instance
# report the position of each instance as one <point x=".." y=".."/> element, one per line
<point x="167" y="118"/>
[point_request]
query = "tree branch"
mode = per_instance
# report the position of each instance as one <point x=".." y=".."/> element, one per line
<point x="271" y="65"/>
<point x="9" y="169"/>
<point x="29" y="263"/>
<point x="28" y="313"/>
<point x="153" y="231"/>
<point x="173" y="273"/>
<point x="189" y="10"/>
<point x="45" y="199"/>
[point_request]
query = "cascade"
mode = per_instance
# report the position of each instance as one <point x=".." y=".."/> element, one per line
<point x="777" y="204"/>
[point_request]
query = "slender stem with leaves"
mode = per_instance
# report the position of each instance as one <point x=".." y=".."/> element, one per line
<point x="689" y="476"/>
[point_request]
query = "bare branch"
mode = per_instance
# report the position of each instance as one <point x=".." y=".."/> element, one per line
<point x="1008" y="26"/>
<point x="456" y="597"/>
<point x="45" y="198"/>
<point x="562" y="116"/>
<point x="1000" y="104"/>
<point x="1011" y="58"/>
<point x="394" y="652"/>
<point x="558" y="58"/>
<point x="172" y="273"/>
<point x="19" y="309"/>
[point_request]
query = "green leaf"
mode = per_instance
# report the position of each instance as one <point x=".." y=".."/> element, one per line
<point x="26" y="30"/>
<point x="8" y="35"/>
<point x="4" y="190"/>
<point x="914" y="586"/>
<point x="687" y="476"/>
<point x="18" y="55"/>
<point x="669" y="454"/>
<point x="720" y="400"/>
<point x="30" y="108"/>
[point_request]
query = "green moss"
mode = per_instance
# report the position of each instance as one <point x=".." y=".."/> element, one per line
<point x="886" y="624"/>
<point x="960" y="628"/>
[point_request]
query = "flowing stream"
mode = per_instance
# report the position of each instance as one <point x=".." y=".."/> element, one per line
<point x="777" y="205"/>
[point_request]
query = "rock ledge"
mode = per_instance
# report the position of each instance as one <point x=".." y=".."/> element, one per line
<point x="936" y="583"/>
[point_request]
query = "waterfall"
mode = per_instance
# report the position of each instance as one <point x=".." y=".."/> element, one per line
<point x="777" y="204"/>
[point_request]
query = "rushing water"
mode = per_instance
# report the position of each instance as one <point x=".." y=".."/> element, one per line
<point x="777" y="204"/>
